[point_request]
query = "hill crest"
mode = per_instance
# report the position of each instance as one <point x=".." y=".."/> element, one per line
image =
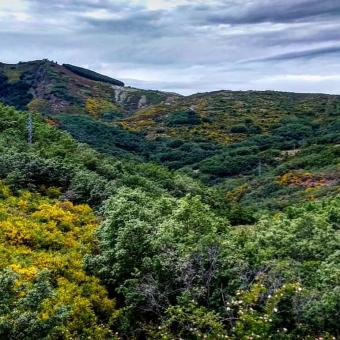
<point x="50" y="88"/>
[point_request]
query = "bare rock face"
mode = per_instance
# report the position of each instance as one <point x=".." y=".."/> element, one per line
<point x="142" y="102"/>
<point x="133" y="99"/>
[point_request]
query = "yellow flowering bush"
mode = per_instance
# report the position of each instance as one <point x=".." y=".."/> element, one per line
<point x="39" y="234"/>
<point x="96" y="107"/>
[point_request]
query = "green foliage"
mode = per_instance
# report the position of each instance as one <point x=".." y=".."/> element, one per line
<point x="113" y="140"/>
<point x="56" y="160"/>
<point x="264" y="279"/>
<point x="189" y="322"/>
<point x="229" y="165"/>
<point x="181" y="258"/>
<point x="21" y="305"/>
<point x="117" y="141"/>
<point x="101" y="108"/>
<point x="15" y="94"/>
<point x="294" y="142"/>
<point x="145" y="253"/>
<point x="182" y="118"/>
<point x="238" y="129"/>
<point x="223" y="111"/>
<point x="39" y="105"/>
<point x="45" y="291"/>
<point x="298" y="297"/>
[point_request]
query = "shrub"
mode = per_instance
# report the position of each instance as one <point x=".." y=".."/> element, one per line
<point x="183" y="118"/>
<point x="238" y="129"/>
<point x="98" y="107"/>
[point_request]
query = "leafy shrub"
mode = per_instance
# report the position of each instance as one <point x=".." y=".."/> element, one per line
<point x="238" y="129"/>
<point x="44" y="289"/>
<point x="20" y="306"/>
<point x="294" y="131"/>
<point x="226" y="165"/>
<point x="14" y="94"/>
<point x="39" y="106"/>
<point x="186" y="270"/>
<point x="182" y="118"/>
<point x="98" y="107"/>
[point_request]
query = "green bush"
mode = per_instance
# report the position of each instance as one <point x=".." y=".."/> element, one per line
<point x="14" y="94"/>
<point x="182" y="118"/>
<point x="238" y="129"/>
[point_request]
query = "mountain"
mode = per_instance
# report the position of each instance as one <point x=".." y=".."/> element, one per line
<point x="215" y="215"/>
<point x="52" y="88"/>
<point x="268" y="148"/>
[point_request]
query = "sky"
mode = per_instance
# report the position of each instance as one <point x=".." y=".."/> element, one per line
<point x="183" y="46"/>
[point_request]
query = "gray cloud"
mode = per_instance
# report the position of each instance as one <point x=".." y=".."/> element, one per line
<point x="194" y="46"/>
<point x="306" y="54"/>
<point x="273" y="11"/>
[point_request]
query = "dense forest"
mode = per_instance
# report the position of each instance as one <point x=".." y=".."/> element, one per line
<point x="203" y="217"/>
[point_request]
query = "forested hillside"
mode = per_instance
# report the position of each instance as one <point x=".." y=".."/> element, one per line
<point x="269" y="149"/>
<point x="160" y="260"/>
<point x="210" y="216"/>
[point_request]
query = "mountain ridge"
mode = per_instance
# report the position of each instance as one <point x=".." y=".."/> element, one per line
<point x="122" y="94"/>
<point x="224" y="138"/>
<point x="63" y="90"/>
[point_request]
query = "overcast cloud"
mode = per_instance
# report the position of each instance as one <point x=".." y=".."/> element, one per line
<point x="181" y="45"/>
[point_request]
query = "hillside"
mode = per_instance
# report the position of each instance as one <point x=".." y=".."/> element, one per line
<point x="50" y="88"/>
<point x="140" y="214"/>
<point x="159" y="259"/>
<point x="268" y="148"/>
<point x="229" y="116"/>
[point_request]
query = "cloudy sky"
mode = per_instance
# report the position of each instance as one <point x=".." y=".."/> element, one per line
<point x="184" y="46"/>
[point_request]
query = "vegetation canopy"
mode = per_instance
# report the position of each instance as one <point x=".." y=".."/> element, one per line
<point x="139" y="214"/>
